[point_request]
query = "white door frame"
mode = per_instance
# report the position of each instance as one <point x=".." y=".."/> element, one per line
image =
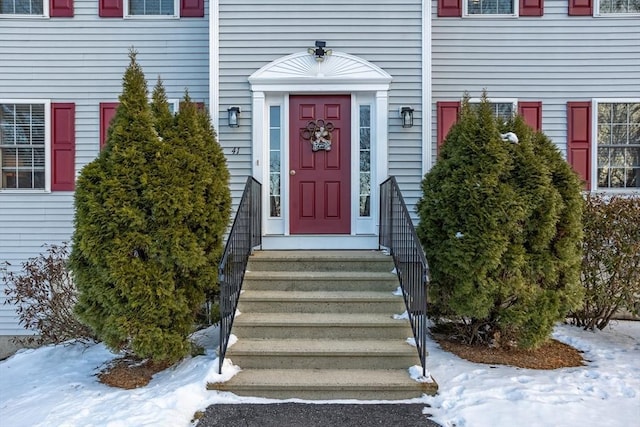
<point x="339" y="73"/>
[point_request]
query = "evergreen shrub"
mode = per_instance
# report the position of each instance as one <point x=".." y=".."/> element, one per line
<point x="500" y="223"/>
<point x="151" y="212"/>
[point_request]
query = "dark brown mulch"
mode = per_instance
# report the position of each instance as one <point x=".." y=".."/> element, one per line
<point x="551" y="355"/>
<point x="128" y="372"/>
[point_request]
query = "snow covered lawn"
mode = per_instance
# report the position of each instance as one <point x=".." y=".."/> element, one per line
<point x="57" y="386"/>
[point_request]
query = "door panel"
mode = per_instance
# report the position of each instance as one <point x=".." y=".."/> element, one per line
<point x="320" y="201"/>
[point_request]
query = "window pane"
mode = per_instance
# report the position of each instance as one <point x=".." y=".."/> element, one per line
<point x="151" y="7"/>
<point x="490" y="7"/>
<point x="619" y="6"/>
<point x="22" y="145"/>
<point x="365" y="160"/>
<point x="619" y="145"/>
<point x="275" y="159"/>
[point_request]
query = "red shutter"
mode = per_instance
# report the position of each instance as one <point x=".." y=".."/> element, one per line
<point x="107" y="111"/>
<point x="447" y="116"/>
<point x="580" y="7"/>
<point x="110" y="8"/>
<point x="531" y="112"/>
<point x="63" y="146"/>
<point x="531" y="7"/>
<point x="60" y="8"/>
<point x="449" y="8"/>
<point x="192" y="8"/>
<point x="579" y="139"/>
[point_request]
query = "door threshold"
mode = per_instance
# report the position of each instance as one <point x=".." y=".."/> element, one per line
<point x="320" y="241"/>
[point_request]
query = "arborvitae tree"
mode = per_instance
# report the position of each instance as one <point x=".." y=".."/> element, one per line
<point x="160" y="109"/>
<point x="142" y="249"/>
<point x="500" y="225"/>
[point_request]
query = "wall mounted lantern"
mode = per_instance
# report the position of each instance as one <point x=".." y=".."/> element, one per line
<point x="232" y="114"/>
<point x="406" y="114"/>
<point x="319" y="51"/>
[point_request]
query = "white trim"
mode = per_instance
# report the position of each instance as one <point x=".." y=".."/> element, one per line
<point x="126" y="15"/>
<point x="214" y="62"/>
<point x="47" y="146"/>
<point x="594" y="145"/>
<point x="427" y="142"/>
<point x="515" y="14"/>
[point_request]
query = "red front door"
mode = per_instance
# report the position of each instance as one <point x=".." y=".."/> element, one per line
<point x="320" y="164"/>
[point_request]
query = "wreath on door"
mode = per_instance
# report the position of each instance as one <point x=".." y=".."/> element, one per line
<point x="319" y="134"/>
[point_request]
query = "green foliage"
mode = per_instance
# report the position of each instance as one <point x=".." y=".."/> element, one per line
<point x="500" y="225"/>
<point x="611" y="261"/>
<point x="151" y="211"/>
<point x="45" y="296"/>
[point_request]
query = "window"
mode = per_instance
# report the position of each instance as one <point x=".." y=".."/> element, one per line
<point x="490" y="7"/>
<point x="606" y="7"/>
<point x="23" y="145"/>
<point x="618" y="145"/>
<point x="275" y="155"/>
<point x="365" y="160"/>
<point x="151" y="7"/>
<point x="24" y="7"/>
<point x="503" y="109"/>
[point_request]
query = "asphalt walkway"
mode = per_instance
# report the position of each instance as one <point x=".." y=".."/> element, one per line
<point x="317" y="415"/>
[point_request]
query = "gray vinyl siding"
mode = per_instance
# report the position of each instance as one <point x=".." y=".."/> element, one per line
<point x="82" y="60"/>
<point x="554" y="59"/>
<point x="254" y="33"/>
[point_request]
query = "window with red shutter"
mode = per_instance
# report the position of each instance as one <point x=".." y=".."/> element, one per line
<point x="447" y="115"/>
<point x="60" y="8"/>
<point x="580" y="7"/>
<point x="107" y="111"/>
<point x="531" y="112"/>
<point x="63" y="141"/>
<point x="115" y="9"/>
<point x="579" y="139"/>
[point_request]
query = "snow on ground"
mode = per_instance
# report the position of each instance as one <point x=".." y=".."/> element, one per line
<point x="57" y="386"/>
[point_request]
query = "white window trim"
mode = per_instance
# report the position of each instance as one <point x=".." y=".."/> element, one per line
<point x="594" y="145"/>
<point x="466" y="14"/>
<point x="597" y="14"/>
<point x="176" y="12"/>
<point x="47" y="147"/>
<point x="45" y="13"/>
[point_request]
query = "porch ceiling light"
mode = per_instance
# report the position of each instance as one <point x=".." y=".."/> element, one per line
<point x="319" y="51"/>
<point x="406" y="114"/>
<point x="232" y="114"/>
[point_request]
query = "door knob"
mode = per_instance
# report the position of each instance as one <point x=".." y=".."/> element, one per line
<point x="292" y="172"/>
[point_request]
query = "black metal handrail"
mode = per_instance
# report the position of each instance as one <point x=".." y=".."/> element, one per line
<point x="245" y="234"/>
<point x="398" y="235"/>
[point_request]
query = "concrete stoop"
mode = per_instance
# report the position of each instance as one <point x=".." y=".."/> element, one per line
<point x="319" y="325"/>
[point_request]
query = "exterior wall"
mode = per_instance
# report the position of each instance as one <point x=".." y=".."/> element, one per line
<point x="554" y="59"/>
<point x="255" y="33"/>
<point x="82" y="60"/>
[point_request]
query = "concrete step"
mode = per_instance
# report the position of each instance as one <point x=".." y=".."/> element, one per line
<point x="321" y="326"/>
<point x="319" y="302"/>
<point x="382" y="281"/>
<point x="326" y="384"/>
<point x="369" y="261"/>
<point x="322" y="354"/>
